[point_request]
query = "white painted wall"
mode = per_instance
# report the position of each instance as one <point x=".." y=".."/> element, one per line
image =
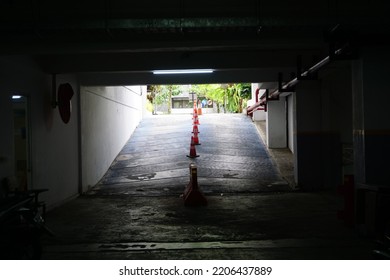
<point x="259" y="115"/>
<point x="109" y="116"/>
<point x="54" y="145"/>
<point x="291" y="121"/>
<point x="276" y="124"/>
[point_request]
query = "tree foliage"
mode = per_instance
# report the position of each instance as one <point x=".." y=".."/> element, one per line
<point x="237" y="94"/>
<point x="211" y="91"/>
<point x="231" y="96"/>
<point x="153" y="90"/>
<point x="162" y="94"/>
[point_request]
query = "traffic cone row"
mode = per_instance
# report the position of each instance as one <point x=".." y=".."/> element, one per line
<point x="195" y="131"/>
<point x="192" y="195"/>
<point x="196" y="119"/>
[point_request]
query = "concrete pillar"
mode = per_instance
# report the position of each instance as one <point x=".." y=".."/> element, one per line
<point x="371" y="139"/>
<point x="290" y="106"/>
<point x="372" y="117"/>
<point x="276" y="123"/>
<point x="307" y="156"/>
<point x="320" y="127"/>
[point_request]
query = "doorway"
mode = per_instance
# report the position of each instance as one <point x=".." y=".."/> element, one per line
<point x="21" y="139"/>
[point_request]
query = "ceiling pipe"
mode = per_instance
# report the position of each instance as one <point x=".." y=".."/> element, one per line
<point x="291" y="84"/>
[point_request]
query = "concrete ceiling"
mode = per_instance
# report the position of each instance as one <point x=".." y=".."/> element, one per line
<point x="246" y="40"/>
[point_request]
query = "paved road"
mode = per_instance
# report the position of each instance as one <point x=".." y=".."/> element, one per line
<point x="136" y="211"/>
<point x="232" y="158"/>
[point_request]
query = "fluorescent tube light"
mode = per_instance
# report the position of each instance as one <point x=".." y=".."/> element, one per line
<point x="182" y="71"/>
<point x="16" y="96"/>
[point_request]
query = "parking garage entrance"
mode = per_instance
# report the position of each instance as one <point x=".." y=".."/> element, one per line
<point x="137" y="210"/>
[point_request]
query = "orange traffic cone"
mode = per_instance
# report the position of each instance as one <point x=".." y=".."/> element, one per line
<point x="192" y="195"/>
<point x="196" y="139"/>
<point x="192" y="149"/>
<point x="196" y="120"/>
<point x="195" y="129"/>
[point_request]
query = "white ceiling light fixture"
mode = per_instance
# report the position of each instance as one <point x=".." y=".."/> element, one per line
<point x="183" y="71"/>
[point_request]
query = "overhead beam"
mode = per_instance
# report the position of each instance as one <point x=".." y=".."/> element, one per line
<point x="219" y="76"/>
<point x="167" y="60"/>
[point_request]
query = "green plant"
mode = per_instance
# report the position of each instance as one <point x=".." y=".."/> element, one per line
<point x="162" y="94"/>
<point x="231" y="96"/>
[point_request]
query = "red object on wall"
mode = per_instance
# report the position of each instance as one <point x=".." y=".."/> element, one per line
<point x="257" y="95"/>
<point x="65" y="94"/>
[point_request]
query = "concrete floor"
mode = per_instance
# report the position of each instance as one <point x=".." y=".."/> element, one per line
<point x="137" y="212"/>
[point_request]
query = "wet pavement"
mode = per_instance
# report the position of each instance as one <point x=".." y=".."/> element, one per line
<point x="137" y="212"/>
<point x="230" y="149"/>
